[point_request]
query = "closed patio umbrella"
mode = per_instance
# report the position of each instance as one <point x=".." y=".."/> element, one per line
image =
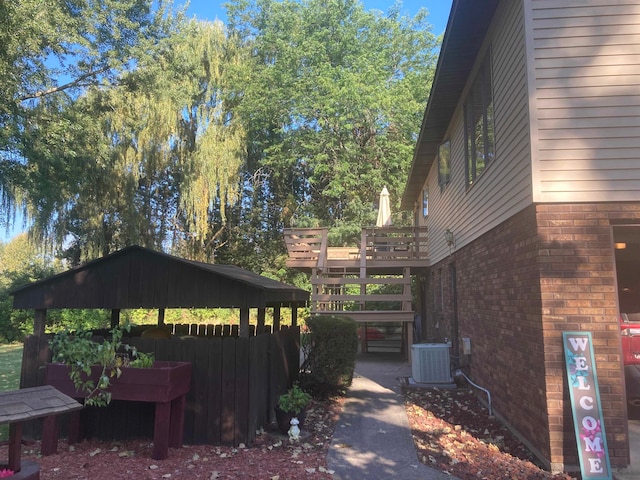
<point x="384" y="209"/>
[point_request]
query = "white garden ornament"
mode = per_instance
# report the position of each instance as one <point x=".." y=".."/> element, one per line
<point x="294" y="431"/>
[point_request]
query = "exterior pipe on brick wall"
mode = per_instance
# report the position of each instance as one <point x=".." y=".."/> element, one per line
<point x="461" y="373"/>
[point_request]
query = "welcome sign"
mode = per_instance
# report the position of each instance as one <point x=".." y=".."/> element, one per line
<point x="586" y="407"/>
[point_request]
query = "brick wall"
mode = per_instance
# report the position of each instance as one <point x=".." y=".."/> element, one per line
<point x="547" y="269"/>
<point x="578" y="287"/>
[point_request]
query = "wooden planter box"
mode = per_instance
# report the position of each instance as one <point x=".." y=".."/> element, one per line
<point x="161" y="383"/>
<point x="165" y="384"/>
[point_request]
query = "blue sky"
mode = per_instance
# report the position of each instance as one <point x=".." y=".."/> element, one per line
<point x="438" y="9"/>
<point x="210" y="10"/>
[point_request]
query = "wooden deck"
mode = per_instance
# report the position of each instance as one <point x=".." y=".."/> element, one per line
<point x="379" y="248"/>
<point x="371" y="281"/>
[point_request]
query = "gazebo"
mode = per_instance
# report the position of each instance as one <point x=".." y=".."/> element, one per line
<point x="237" y="374"/>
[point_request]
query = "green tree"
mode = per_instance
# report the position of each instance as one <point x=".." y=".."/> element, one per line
<point x="20" y="263"/>
<point x="177" y="135"/>
<point x="346" y="91"/>
<point x="171" y="128"/>
<point x="51" y="51"/>
<point x="151" y="158"/>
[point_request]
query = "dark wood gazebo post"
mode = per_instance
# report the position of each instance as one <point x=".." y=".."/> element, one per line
<point x="39" y="322"/>
<point x="115" y="317"/>
<point x="261" y="316"/>
<point x="294" y="314"/>
<point x="276" y="318"/>
<point x="244" y="323"/>
<point x="35" y="353"/>
<point x="160" y="317"/>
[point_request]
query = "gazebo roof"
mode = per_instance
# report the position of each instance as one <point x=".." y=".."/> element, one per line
<point x="137" y="277"/>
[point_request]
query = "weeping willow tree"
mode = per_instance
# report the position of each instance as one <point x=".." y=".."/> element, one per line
<point x="213" y="170"/>
<point x="157" y="155"/>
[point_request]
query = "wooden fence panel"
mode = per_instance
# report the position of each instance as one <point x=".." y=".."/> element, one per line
<point x="258" y="383"/>
<point x="214" y="386"/>
<point x="90" y="421"/>
<point x="105" y="421"/>
<point x="199" y="385"/>
<point x="228" y="374"/>
<point x="241" y="408"/>
<point x="181" y="329"/>
<point x="235" y="385"/>
<point x="185" y="347"/>
<point x="278" y="376"/>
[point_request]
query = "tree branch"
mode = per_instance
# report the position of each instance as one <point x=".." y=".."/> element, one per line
<point x="60" y="88"/>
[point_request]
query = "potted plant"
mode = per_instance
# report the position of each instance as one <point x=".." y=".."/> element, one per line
<point x="84" y="356"/>
<point x="291" y="404"/>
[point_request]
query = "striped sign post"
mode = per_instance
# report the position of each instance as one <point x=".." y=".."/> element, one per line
<point x="586" y="406"/>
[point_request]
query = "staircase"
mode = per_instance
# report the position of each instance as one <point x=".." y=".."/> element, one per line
<point x="369" y="282"/>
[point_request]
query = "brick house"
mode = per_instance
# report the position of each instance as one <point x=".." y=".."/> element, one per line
<point x="527" y="174"/>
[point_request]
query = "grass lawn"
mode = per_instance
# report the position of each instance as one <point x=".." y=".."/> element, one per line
<point x="10" y="364"/>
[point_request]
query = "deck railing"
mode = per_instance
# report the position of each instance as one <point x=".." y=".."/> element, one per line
<point x="394" y="243"/>
<point x="308" y="247"/>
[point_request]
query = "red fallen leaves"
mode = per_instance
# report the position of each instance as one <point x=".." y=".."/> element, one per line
<point x="453" y="432"/>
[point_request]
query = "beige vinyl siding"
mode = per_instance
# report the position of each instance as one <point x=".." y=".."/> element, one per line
<point x="585" y="99"/>
<point x="504" y="188"/>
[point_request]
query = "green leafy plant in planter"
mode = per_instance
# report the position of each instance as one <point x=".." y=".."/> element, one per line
<point x="80" y="352"/>
<point x="291" y="404"/>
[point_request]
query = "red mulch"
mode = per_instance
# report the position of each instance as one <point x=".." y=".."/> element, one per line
<point x="270" y="457"/>
<point x="453" y="432"/>
<point x="451" y="429"/>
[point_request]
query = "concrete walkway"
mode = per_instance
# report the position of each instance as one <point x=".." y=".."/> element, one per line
<point x="372" y="437"/>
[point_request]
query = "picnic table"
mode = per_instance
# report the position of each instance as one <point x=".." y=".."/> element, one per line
<point x="17" y="406"/>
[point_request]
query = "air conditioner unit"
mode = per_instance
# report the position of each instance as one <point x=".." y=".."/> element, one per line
<point x="430" y="362"/>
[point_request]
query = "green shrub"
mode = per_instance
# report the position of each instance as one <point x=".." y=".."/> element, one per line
<point x="294" y="401"/>
<point x="330" y="348"/>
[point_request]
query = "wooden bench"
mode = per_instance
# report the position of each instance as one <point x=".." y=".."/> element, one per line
<point x="17" y="406"/>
